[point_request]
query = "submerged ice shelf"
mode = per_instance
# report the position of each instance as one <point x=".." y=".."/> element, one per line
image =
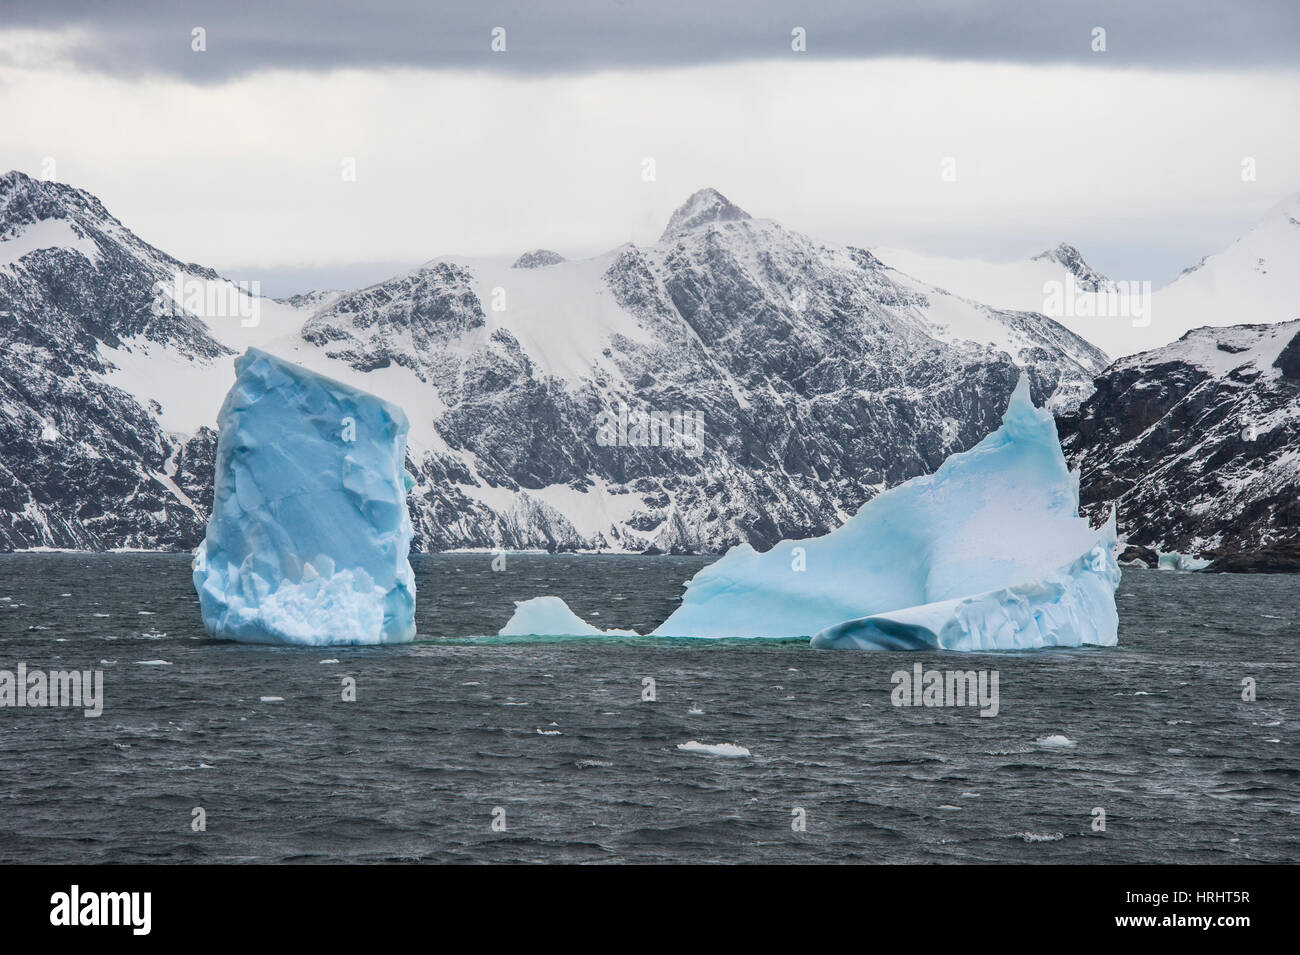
<point x="309" y="536"/>
<point x="987" y="553"/>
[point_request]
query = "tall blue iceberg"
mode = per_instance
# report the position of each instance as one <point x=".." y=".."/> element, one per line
<point x="987" y="553"/>
<point x="309" y="536"/>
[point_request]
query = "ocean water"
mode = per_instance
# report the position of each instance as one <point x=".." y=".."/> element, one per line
<point x="553" y="739"/>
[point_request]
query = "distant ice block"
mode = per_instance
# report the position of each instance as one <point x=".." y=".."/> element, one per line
<point x="551" y="616"/>
<point x="1176" y="561"/>
<point x="987" y="553"/>
<point x="309" y="536"/>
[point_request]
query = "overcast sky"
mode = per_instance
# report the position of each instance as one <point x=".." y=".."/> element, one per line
<point x="234" y="156"/>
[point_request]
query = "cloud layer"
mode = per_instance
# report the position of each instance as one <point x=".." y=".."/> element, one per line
<point x="565" y="36"/>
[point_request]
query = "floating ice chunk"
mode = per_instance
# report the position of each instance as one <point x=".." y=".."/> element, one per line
<point x="1068" y="607"/>
<point x="1055" y="741"/>
<point x="986" y="553"/>
<point x="309" y="534"/>
<point x="551" y="616"/>
<point x="1185" y="562"/>
<point x="713" y="749"/>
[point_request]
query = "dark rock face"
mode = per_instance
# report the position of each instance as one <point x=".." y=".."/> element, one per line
<point x="817" y="377"/>
<point x="1195" y="444"/>
<point x="1132" y="554"/>
<point x="1280" y="558"/>
<point x="1288" y="360"/>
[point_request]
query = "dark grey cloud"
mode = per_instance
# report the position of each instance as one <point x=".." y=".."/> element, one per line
<point x="566" y="36"/>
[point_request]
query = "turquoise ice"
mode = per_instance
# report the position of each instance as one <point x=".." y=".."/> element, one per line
<point x="987" y="553"/>
<point x="309" y="536"/>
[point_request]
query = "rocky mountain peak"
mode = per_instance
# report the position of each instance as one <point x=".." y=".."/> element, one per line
<point x="538" y="258"/>
<point x="1090" y="280"/>
<point x="702" y="208"/>
<point x="24" y="200"/>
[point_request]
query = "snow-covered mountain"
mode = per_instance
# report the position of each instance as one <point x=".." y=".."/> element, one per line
<point x="1018" y="285"/>
<point x="1198" y="443"/>
<point x="805" y="377"/>
<point x="1256" y="280"/>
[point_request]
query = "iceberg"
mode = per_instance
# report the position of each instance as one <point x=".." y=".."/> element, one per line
<point x="987" y="553"/>
<point x="551" y="616"/>
<point x="309" y="536"/>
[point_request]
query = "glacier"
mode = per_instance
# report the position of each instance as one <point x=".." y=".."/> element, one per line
<point x="987" y="553"/>
<point x="309" y="536"/>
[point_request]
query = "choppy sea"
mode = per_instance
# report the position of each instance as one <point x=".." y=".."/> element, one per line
<point x="467" y="748"/>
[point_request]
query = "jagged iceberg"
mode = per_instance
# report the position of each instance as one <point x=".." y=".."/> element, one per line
<point x="309" y="536"/>
<point x="987" y="553"/>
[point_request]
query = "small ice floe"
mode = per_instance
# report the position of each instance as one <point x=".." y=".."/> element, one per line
<point x="695" y="710"/>
<point x="154" y="663"/>
<point x="1041" y="836"/>
<point x="511" y="703"/>
<point x="1055" y="741"/>
<point x="950" y="807"/>
<point x="1141" y="693"/>
<point x="1274" y="723"/>
<point x="542" y="732"/>
<point x="592" y="763"/>
<point x="330" y="660"/>
<point x="103" y="615"/>
<point x="713" y="749"/>
<point x="472" y="683"/>
<point x="270" y="699"/>
<point x="61" y="595"/>
<point x="969" y="795"/>
<point x="107" y="663"/>
<point x="146" y="613"/>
